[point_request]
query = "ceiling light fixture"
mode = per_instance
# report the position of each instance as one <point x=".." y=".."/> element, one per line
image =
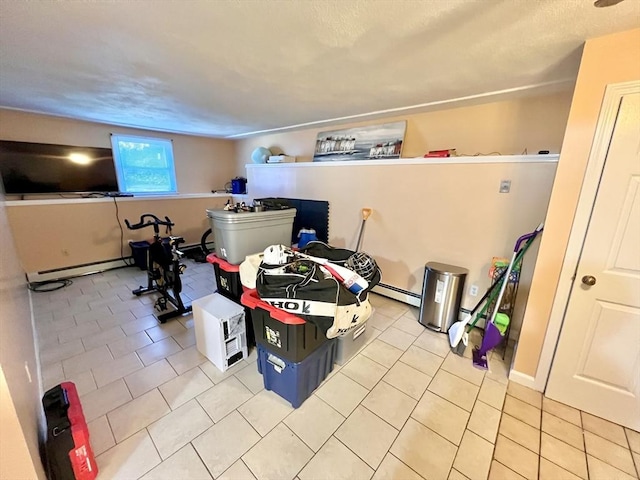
<point x="606" y="3"/>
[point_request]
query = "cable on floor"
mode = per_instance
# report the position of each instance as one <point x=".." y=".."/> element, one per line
<point x="43" y="287"/>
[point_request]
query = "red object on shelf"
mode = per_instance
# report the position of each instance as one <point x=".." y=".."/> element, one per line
<point x="440" y="153"/>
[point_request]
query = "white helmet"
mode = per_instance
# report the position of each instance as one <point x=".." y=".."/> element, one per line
<point x="277" y="255"/>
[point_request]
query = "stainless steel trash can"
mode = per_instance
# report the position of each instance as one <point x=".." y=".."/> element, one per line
<point x="441" y="295"/>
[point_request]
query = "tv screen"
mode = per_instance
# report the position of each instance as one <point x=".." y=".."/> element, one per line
<point x="31" y="168"/>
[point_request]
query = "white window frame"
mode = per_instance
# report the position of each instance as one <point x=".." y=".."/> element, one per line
<point x="165" y="143"/>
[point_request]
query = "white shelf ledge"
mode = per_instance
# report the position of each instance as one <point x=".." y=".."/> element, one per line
<point x="550" y="158"/>
<point x="137" y="198"/>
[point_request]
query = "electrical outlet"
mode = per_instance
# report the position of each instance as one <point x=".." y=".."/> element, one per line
<point x="473" y="291"/>
<point x="505" y="186"/>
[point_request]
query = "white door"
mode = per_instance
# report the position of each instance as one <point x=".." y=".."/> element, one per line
<point x="597" y="362"/>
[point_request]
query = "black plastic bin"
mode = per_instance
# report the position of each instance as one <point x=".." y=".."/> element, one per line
<point x="280" y="332"/>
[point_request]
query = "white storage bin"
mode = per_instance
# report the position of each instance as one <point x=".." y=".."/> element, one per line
<point x="237" y="235"/>
<point x="351" y="344"/>
<point x="221" y="333"/>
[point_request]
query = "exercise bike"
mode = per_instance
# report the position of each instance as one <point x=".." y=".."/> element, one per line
<point x="163" y="268"/>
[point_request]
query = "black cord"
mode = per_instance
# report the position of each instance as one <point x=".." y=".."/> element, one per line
<point x="121" y="235"/>
<point x="58" y="284"/>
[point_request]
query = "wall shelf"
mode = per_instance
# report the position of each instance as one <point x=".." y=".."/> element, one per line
<point x="550" y="158"/>
<point x="137" y="198"/>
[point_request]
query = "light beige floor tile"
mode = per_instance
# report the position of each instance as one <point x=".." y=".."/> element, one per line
<point x="157" y="351"/>
<point x="382" y="352"/>
<point x="103" y="400"/>
<point x="498" y="371"/>
<point x="393" y="469"/>
<point x="117" y="368"/>
<point x="522" y="411"/>
<point x="636" y="459"/>
<point x="409" y="325"/>
<point x="454" y="389"/>
<point x="137" y="414"/>
<point x="500" y="472"/>
<point x="426" y="362"/>
<point x="224" y="443"/>
<point x="186" y="360"/>
<point x="599" y="470"/>
<point x="130" y="459"/>
<point x="463" y="368"/>
<point x="76" y="332"/>
<point x="473" y="458"/>
<point x="84" y="382"/>
<point x="251" y="378"/>
<point x="392" y="309"/>
<point x="564" y="455"/>
<point x="173" y="431"/>
<point x="149" y="378"/>
<point x="52" y="375"/>
<point x="380" y="321"/>
<point x="278" y="456"/>
<point x="492" y="393"/>
<point x="103" y="338"/>
<point x="605" y="429"/>
<point x="237" y="471"/>
<point x="367" y="436"/>
<point x="86" y="361"/>
<point x="265" y="410"/>
<point x="441" y="416"/>
<point x="223" y="398"/>
<point x="314" y="422"/>
<point x="342" y="393"/>
<point x="433" y="460"/>
<point x="364" y="371"/>
<point x="551" y="471"/>
<point x="562" y="411"/>
<point x="525" y="394"/>
<point x="100" y="435"/>
<point x="130" y="344"/>
<point x="184" y="464"/>
<point x="183" y="388"/>
<point x="562" y="430"/>
<point x="516" y="458"/>
<point x="456" y="475"/>
<point x="216" y="375"/>
<point x="334" y="461"/>
<point x="520" y="432"/>
<point x="634" y="439"/>
<point x="485" y="421"/>
<point x="397" y="338"/>
<point x="115" y="319"/>
<point x="165" y="330"/>
<point x="433" y="342"/>
<point x="139" y="324"/>
<point x="186" y="339"/>
<point x="390" y="404"/>
<point x="407" y="379"/>
<point x="609" y="452"/>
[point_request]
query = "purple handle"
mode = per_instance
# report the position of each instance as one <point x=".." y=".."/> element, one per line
<point x="527" y="236"/>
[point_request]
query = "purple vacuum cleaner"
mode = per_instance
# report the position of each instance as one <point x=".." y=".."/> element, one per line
<point x="492" y="334"/>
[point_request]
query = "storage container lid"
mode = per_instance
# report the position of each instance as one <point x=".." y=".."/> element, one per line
<point x="229" y="216"/>
<point x="445" y="269"/>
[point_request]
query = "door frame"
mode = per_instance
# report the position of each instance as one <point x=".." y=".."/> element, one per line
<point x="595" y="167"/>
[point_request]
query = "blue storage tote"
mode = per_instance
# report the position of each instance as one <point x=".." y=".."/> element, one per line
<point x="295" y="382"/>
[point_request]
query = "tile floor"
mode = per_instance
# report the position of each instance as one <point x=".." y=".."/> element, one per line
<point x="404" y="408"/>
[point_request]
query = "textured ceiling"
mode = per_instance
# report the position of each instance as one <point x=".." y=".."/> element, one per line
<point x="224" y="68"/>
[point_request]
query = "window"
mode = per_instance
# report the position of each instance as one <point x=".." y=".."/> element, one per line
<point x="144" y="165"/>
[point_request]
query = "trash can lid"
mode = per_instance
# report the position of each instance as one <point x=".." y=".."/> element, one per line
<point x="445" y="269"/>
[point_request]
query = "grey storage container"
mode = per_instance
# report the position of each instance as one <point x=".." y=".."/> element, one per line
<point x="441" y="295"/>
<point x="351" y="343"/>
<point x="237" y="235"/>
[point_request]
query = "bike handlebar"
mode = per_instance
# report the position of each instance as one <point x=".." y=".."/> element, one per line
<point x="155" y="222"/>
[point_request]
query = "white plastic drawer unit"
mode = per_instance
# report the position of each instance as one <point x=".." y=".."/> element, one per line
<point x="221" y="332"/>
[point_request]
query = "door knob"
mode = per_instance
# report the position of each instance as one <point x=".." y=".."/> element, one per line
<point x="589" y="280"/>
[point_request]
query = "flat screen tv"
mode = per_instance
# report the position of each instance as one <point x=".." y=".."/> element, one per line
<point x="39" y="168"/>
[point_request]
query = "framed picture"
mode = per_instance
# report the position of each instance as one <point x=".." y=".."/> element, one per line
<point x="373" y="142"/>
